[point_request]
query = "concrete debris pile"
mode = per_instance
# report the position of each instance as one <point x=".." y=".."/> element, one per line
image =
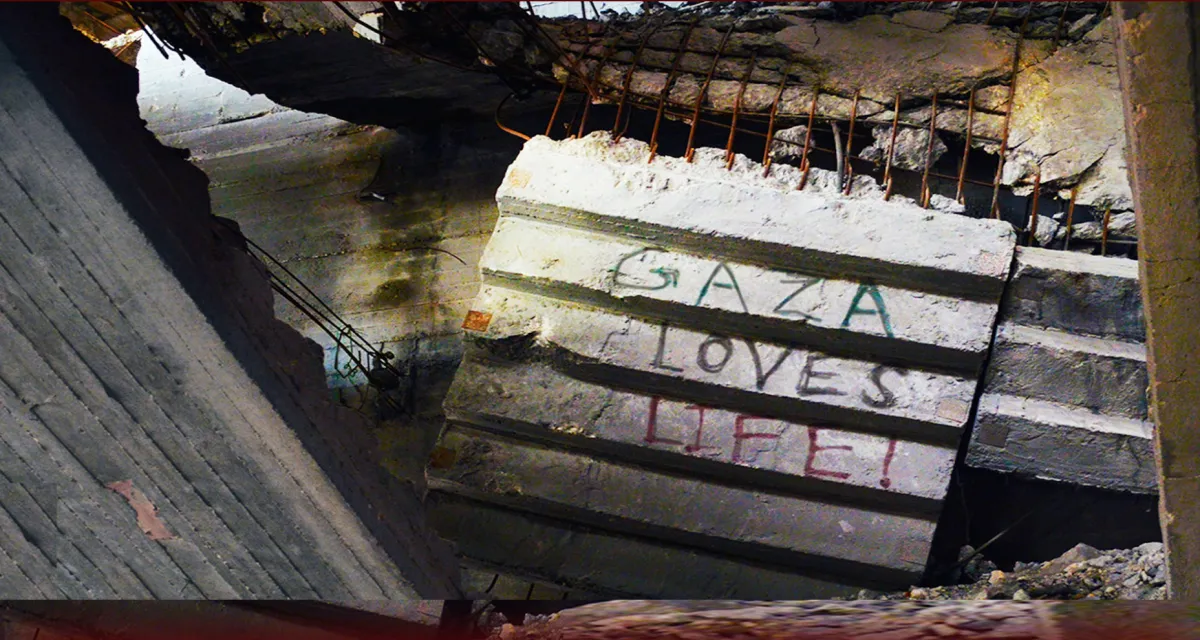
<point x="1082" y="573"/>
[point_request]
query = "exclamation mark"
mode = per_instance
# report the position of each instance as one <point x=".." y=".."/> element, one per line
<point x="885" y="481"/>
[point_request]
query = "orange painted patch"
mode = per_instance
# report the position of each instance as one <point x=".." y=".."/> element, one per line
<point x="147" y="514"/>
<point x="477" y="321"/>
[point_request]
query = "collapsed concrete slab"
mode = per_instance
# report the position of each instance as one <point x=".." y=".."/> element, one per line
<point x="1065" y="392"/>
<point x="698" y="355"/>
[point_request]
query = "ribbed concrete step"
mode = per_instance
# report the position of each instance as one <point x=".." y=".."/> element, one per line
<point x="752" y="375"/>
<point x="536" y="403"/>
<point x="1064" y="443"/>
<point x="850" y="317"/>
<point x="1076" y="293"/>
<point x="613" y="565"/>
<point x="1104" y="376"/>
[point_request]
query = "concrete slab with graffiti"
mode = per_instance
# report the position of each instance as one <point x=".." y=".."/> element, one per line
<point x="710" y="358"/>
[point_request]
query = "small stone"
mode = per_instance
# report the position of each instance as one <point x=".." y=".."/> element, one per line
<point x="507" y="631"/>
<point x="940" y="202"/>
<point x="1079" y="553"/>
<point x="1149" y="548"/>
<point x="918" y="594"/>
<point x="1102" y="561"/>
<point x="1131" y="581"/>
<point x="996" y="577"/>
<point x="1047" y="231"/>
<point x="1021" y="594"/>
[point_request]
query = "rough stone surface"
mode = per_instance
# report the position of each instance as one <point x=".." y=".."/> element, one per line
<point x="911" y="150"/>
<point x="1068" y="123"/>
<point x="1065" y="391"/>
<point x="1064" y="291"/>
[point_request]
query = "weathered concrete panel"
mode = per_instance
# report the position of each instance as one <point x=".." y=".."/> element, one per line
<point x="742" y="216"/>
<point x="1056" y="442"/>
<point x="563" y="483"/>
<point x="689" y="354"/>
<point x="594" y="560"/>
<point x="722" y="368"/>
<point x="571" y="412"/>
<point x="593" y="268"/>
<point x="1065" y="391"/>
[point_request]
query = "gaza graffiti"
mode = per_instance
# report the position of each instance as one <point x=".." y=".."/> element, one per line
<point x="693" y="431"/>
<point x="648" y="270"/>
<point x="677" y="351"/>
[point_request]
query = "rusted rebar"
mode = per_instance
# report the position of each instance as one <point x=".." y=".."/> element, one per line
<point x="1062" y="18"/>
<point x="1104" y="230"/>
<point x="1070" y="216"/>
<point x="502" y="126"/>
<point x="662" y="98"/>
<point x="925" y="195"/>
<point x="637" y="57"/>
<point x="557" y="105"/>
<point x="689" y="151"/>
<point x="608" y="51"/>
<point x="849" y="167"/>
<point x="962" y="169"/>
<point x="1033" y="214"/>
<point x="804" y="164"/>
<point x="771" y="127"/>
<point x="1012" y="86"/>
<point x="737" y="107"/>
<point x="992" y="13"/>
<point x="887" y="170"/>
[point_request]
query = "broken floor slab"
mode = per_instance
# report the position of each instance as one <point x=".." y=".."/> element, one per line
<point x="629" y="349"/>
<point x="1065" y="391"/>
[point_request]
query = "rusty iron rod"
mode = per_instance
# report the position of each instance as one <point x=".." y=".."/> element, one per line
<point x="504" y="128"/>
<point x="557" y="105"/>
<point x="887" y="194"/>
<point x="690" y="150"/>
<point x="849" y="166"/>
<point x="812" y="112"/>
<point x="1104" y="230"/>
<point x="737" y="105"/>
<point x="887" y="170"/>
<point x="662" y="98"/>
<point x="992" y="13"/>
<point x="962" y="170"/>
<point x="1062" y="18"/>
<point x="925" y="195"/>
<point x="1070" y="216"/>
<point x="1012" y="87"/>
<point x="637" y="56"/>
<point x="771" y="127"/>
<point x="587" y="105"/>
<point x="1033" y="214"/>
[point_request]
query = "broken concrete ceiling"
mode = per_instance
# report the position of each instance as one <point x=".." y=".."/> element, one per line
<point x="402" y="64"/>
